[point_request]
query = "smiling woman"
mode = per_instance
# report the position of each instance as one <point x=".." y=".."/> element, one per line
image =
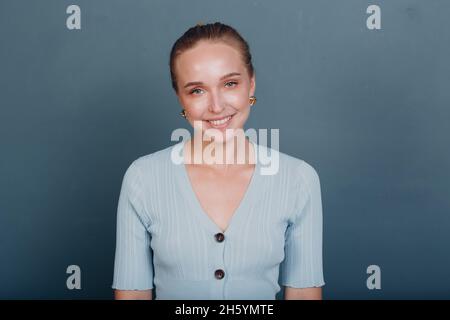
<point x="217" y="231"/>
<point x="213" y="77"/>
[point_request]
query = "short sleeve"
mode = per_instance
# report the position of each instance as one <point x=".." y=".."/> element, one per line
<point x="302" y="265"/>
<point x="133" y="264"/>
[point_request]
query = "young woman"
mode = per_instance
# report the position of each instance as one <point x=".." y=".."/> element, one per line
<point x="217" y="230"/>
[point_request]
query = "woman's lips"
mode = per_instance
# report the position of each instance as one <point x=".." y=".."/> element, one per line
<point x="220" y="123"/>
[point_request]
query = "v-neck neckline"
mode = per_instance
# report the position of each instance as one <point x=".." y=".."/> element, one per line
<point x="201" y="213"/>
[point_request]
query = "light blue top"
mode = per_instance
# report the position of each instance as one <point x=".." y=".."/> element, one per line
<point x="166" y="242"/>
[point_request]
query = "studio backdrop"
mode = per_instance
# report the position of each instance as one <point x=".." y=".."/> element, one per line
<point x="359" y="89"/>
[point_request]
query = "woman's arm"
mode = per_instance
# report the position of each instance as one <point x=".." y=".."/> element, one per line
<point x="133" y="294"/>
<point x="303" y="293"/>
<point x="133" y="263"/>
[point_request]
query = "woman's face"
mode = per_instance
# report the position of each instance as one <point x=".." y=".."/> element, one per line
<point x="214" y="87"/>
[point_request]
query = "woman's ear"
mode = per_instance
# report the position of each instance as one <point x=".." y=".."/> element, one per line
<point x="252" y="85"/>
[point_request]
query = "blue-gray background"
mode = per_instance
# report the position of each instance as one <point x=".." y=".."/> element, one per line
<point x="369" y="109"/>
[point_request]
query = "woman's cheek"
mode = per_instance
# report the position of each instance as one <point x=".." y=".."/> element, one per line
<point x="236" y="99"/>
<point x="196" y="104"/>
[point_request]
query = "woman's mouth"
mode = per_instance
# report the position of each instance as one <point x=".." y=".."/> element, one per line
<point x="220" y="123"/>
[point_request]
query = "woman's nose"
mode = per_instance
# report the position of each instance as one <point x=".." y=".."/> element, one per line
<point x="215" y="104"/>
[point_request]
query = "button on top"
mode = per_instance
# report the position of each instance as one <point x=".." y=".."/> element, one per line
<point x="219" y="237"/>
<point x="219" y="274"/>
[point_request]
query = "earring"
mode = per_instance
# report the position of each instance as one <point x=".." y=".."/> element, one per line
<point x="183" y="113"/>
<point x="252" y="100"/>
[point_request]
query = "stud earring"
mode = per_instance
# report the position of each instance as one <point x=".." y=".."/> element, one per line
<point x="183" y="113"/>
<point x="252" y="100"/>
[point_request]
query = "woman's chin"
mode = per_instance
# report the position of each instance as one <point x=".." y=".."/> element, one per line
<point x="225" y="135"/>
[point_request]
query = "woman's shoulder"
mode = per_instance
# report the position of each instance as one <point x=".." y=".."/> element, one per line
<point x="301" y="166"/>
<point x="297" y="179"/>
<point x="288" y="170"/>
<point x="158" y="157"/>
<point x="154" y="164"/>
<point x="288" y="165"/>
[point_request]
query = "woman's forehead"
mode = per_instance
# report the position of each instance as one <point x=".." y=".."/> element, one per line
<point x="209" y="59"/>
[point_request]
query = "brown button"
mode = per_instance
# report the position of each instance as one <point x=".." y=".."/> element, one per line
<point x="219" y="274"/>
<point x="219" y="237"/>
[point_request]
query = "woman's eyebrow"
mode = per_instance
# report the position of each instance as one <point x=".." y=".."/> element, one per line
<point x="230" y="75"/>
<point x="197" y="83"/>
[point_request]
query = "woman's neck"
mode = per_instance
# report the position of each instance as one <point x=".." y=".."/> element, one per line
<point x="219" y="155"/>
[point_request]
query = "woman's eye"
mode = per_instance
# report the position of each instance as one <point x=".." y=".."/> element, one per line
<point x="231" y="83"/>
<point x="196" y="91"/>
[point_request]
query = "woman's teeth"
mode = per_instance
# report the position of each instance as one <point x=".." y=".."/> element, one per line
<point x="220" y="122"/>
